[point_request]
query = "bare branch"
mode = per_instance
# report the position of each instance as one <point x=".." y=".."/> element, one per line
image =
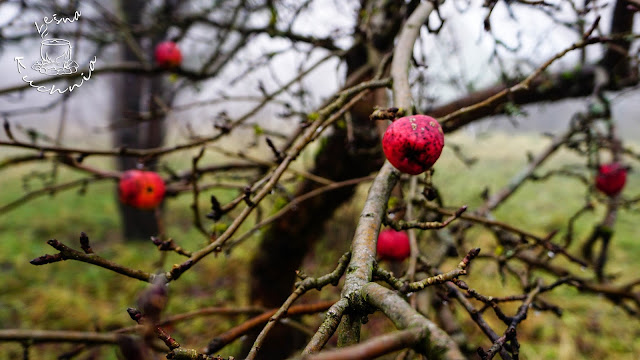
<point x="405" y="317"/>
<point x="229" y="336"/>
<point x="67" y="253"/>
<point x="301" y="288"/>
<point x="54" y="336"/>
<point x="374" y="347"/>
<point x="328" y="327"/>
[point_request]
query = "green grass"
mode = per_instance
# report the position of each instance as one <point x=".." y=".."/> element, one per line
<point x="75" y="296"/>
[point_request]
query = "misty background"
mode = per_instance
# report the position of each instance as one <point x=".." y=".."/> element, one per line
<point x="459" y="60"/>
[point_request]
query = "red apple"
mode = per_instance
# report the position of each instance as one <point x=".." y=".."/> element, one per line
<point x="412" y="144"/>
<point x="141" y="189"/>
<point x="611" y="178"/>
<point x="168" y="55"/>
<point x="393" y="245"/>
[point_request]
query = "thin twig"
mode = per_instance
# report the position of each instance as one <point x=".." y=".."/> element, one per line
<point x="229" y="336"/>
<point x="54" y="336"/>
<point x="294" y="203"/>
<point x="328" y="327"/>
<point x="67" y="253"/>
<point x="374" y="347"/>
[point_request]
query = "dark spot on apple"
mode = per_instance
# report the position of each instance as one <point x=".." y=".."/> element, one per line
<point x="412" y="154"/>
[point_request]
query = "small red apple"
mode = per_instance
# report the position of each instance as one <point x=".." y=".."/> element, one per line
<point x="413" y="143"/>
<point x="141" y="189"/>
<point x="393" y="245"/>
<point x="168" y="55"/>
<point x="611" y="178"/>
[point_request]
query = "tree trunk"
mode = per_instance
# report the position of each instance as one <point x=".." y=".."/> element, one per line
<point x="130" y="95"/>
<point x="287" y="241"/>
<point x="616" y="58"/>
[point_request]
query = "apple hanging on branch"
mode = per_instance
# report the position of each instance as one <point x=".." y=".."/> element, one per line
<point x="412" y="144"/>
<point x="393" y="245"/>
<point x="611" y="178"/>
<point x="168" y="55"/>
<point x="141" y="189"/>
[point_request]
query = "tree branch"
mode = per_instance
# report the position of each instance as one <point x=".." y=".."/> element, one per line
<point x="230" y="335"/>
<point x="301" y="288"/>
<point x="328" y="327"/>
<point x="55" y="336"/>
<point x="580" y="83"/>
<point x="374" y="347"/>
<point x="67" y="253"/>
<point x="404" y="316"/>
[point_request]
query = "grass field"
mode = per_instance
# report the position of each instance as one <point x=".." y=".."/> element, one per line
<point x="75" y="296"/>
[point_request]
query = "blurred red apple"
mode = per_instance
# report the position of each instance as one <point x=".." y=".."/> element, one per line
<point x="611" y="178"/>
<point x="393" y="245"/>
<point x="141" y="189"/>
<point x="168" y="55"/>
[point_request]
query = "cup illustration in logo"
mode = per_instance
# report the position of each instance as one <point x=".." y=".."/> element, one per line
<point x="55" y="50"/>
<point x="55" y="57"/>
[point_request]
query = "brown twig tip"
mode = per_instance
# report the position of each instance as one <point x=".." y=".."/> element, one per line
<point x="224" y="128"/>
<point x="158" y="242"/>
<point x="169" y="245"/>
<point x="588" y="33"/>
<point x="481" y="353"/>
<point x="216" y="210"/>
<point x="55" y="244"/>
<point x="135" y="314"/>
<point x="467" y="259"/>
<point x="386" y="114"/>
<point x="462" y="209"/>
<point x="300" y="274"/>
<point x="46" y="259"/>
<point x="247" y="196"/>
<point x="177" y="270"/>
<point x="551" y="235"/>
<point x="277" y="153"/>
<point x="84" y="243"/>
<point x="80" y="158"/>
<point x="461" y="284"/>
<point x="7" y="129"/>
